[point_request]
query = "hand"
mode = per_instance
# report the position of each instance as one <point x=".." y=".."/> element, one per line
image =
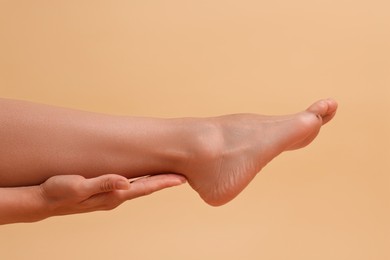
<point x="71" y="194"/>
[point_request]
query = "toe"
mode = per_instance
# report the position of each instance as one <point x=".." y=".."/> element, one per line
<point x="326" y="109"/>
<point x="319" y="108"/>
<point x="332" y="108"/>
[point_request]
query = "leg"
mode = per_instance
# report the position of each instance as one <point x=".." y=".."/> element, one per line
<point x="219" y="156"/>
<point x="39" y="141"/>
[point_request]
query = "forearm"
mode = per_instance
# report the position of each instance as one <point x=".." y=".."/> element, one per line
<point x="39" y="141"/>
<point x="22" y="204"/>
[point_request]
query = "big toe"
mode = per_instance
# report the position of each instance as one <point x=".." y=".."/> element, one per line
<point x="324" y="109"/>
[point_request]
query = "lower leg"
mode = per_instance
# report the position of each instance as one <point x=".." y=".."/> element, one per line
<point x="219" y="156"/>
<point x="39" y="141"/>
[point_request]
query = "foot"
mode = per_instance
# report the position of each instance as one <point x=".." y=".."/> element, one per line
<point x="233" y="149"/>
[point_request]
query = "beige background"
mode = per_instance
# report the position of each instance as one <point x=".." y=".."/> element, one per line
<point x="202" y="58"/>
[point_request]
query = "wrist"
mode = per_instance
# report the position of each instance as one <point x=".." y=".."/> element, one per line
<point x="22" y="204"/>
<point x="35" y="205"/>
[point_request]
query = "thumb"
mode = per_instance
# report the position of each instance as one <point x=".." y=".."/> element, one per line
<point x="106" y="183"/>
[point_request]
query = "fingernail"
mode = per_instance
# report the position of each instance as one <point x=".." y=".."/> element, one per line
<point x="182" y="180"/>
<point x="122" y="185"/>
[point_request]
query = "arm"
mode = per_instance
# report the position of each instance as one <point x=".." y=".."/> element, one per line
<point x="72" y="194"/>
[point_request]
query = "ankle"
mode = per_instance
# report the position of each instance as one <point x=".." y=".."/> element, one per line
<point x="204" y="142"/>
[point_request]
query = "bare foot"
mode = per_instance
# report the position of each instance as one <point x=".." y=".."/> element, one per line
<point x="233" y="149"/>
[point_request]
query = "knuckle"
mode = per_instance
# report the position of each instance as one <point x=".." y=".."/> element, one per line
<point x="77" y="189"/>
<point x="106" y="185"/>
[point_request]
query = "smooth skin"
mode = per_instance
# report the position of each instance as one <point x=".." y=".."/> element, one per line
<point x="73" y="194"/>
<point x="219" y="156"/>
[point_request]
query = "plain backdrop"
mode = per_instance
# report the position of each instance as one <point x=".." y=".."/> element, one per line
<point x="178" y="58"/>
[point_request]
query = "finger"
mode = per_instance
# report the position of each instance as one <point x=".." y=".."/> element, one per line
<point x="105" y="183"/>
<point x="139" y="187"/>
<point x="148" y="185"/>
